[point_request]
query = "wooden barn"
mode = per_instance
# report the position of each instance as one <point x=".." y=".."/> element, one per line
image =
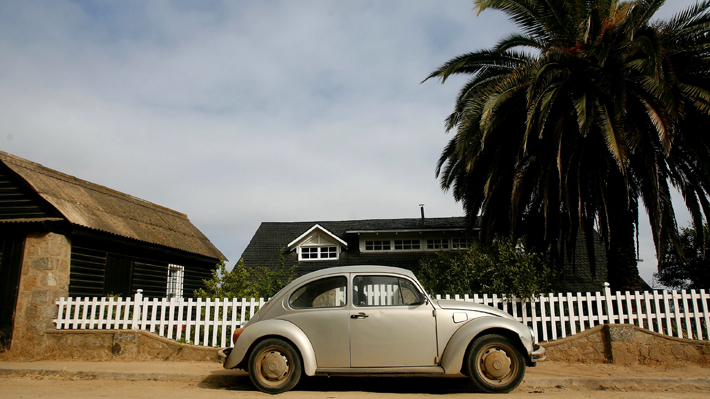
<point x="63" y="236"/>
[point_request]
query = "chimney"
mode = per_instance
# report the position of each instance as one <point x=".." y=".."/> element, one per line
<point x="421" y="207"/>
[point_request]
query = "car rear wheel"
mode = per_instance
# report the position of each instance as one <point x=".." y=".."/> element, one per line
<point x="274" y="366"/>
<point x="494" y="364"/>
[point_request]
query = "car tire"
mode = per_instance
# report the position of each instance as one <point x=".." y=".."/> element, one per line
<point x="494" y="364"/>
<point x="275" y="366"/>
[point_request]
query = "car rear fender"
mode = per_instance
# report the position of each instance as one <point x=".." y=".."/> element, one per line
<point x="274" y="328"/>
<point x="452" y="359"/>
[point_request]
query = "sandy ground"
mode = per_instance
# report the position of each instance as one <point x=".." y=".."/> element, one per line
<point x="592" y="381"/>
<point x="561" y="369"/>
<point x="51" y="388"/>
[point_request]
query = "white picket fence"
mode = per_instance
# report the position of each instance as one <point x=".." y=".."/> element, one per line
<point x="195" y="321"/>
<point x="683" y="314"/>
<point x="210" y="322"/>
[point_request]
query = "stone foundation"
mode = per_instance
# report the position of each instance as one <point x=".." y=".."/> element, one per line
<point x="121" y="345"/>
<point x="627" y="344"/>
<point x="618" y="344"/>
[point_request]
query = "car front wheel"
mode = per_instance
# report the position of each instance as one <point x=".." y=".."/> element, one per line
<point x="274" y="366"/>
<point x="494" y="364"/>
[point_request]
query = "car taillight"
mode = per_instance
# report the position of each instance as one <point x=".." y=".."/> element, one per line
<point x="236" y="333"/>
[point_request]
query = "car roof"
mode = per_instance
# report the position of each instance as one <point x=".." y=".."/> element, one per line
<point x="278" y="297"/>
<point x="354" y="269"/>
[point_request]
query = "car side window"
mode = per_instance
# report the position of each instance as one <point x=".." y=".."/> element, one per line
<point x="324" y="293"/>
<point x="410" y="293"/>
<point x="385" y="291"/>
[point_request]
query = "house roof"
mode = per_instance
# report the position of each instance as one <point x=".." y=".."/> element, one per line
<point x="100" y="208"/>
<point x="272" y="240"/>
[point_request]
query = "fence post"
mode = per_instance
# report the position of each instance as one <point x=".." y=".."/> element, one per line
<point x="609" y="303"/>
<point x="137" y="302"/>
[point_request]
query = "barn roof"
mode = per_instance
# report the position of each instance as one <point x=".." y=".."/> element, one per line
<point x="100" y="208"/>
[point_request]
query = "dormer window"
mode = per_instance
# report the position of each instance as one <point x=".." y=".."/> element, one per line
<point x="318" y="247"/>
<point x="317" y="244"/>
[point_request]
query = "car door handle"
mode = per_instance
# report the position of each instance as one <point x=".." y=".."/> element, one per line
<point x="360" y="315"/>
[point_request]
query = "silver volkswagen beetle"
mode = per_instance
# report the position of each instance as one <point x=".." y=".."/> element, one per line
<point x="378" y="320"/>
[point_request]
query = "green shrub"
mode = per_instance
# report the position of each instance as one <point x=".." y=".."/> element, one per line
<point x="503" y="268"/>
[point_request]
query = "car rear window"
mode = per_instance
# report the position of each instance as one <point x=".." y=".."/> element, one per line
<point x="328" y="292"/>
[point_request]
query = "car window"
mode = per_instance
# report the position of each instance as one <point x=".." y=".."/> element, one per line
<point x="324" y="293"/>
<point x="410" y="294"/>
<point x="385" y="291"/>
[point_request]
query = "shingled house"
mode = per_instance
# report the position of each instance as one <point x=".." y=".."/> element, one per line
<point x="390" y="242"/>
<point x="63" y="236"/>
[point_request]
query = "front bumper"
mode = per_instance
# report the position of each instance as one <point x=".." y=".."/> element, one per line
<point x="538" y="353"/>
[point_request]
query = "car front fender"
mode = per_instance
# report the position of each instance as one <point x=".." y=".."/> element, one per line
<point x="452" y="359"/>
<point x="273" y="328"/>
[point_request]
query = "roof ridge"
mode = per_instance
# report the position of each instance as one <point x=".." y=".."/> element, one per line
<point x="371" y="220"/>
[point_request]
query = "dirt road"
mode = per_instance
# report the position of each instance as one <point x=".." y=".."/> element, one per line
<point x="633" y="382"/>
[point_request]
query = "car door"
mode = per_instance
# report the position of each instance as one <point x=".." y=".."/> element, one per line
<point x="391" y="323"/>
<point x="319" y="308"/>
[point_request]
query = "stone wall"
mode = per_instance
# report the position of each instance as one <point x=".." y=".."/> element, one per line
<point x="618" y="344"/>
<point x="627" y="344"/>
<point x="121" y="345"/>
<point x="44" y="278"/>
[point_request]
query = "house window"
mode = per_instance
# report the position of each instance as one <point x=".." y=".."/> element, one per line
<point x="461" y="243"/>
<point x="176" y="278"/>
<point x="319" y="253"/>
<point x="437" y="244"/>
<point x="406" y="245"/>
<point x="377" y="245"/>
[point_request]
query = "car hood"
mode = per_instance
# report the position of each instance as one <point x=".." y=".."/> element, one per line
<point x="472" y="307"/>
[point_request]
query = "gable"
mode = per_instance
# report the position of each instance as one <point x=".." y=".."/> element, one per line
<point x="318" y="240"/>
<point x="19" y="202"/>
<point x="314" y="236"/>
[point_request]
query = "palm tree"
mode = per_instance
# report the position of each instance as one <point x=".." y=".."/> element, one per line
<point x="569" y="124"/>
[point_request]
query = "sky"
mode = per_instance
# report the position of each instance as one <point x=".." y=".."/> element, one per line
<point x="242" y="112"/>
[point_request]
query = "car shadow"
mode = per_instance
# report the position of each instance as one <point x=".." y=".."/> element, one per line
<point x="388" y="384"/>
<point x="239" y="381"/>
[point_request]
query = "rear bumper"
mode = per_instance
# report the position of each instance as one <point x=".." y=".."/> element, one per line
<point x="224" y="353"/>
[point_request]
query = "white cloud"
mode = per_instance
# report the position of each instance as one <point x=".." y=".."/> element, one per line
<point x="237" y="112"/>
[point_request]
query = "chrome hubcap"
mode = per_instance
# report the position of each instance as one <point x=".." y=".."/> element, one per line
<point x="274" y="365"/>
<point x="496" y="364"/>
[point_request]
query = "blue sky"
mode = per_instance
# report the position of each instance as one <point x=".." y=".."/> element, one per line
<point x="238" y="112"/>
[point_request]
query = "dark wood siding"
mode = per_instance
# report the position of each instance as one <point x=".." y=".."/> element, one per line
<point x="119" y="276"/>
<point x="17" y="201"/>
<point x="100" y="268"/>
<point x="194" y="277"/>
<point x="88" y="268"/>
<point x="151" y="276"/>
<point x="11" y="249"/>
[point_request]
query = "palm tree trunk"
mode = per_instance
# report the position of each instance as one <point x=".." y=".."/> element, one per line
<point x="622" y="269"/>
